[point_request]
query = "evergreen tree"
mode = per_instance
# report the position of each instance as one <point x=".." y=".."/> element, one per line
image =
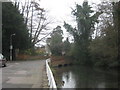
<point x="66" y="46"/>
<point x="82" y="33"/>
<point x="13" y="23"/>
<point x="104" y="48"/>
<point x="56" y="41"/>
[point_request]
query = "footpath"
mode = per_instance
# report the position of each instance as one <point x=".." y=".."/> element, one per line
<point x="25" y="74"/>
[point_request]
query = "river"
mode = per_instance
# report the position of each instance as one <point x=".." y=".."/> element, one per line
<point x="85" y="77"/>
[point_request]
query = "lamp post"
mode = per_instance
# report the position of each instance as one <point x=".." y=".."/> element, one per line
<point x="11" y="46"/>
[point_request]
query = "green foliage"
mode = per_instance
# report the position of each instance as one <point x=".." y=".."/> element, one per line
<point x="82" y="34"/>
<point x="104" y="48"/>
<point x="116" y="19"/>
<point x="28" y="52"/>
<point x="32" y="52"/>
<point x="56" y="41"/>
<point x="13" y="22"/>
<point x="66" y="46"/>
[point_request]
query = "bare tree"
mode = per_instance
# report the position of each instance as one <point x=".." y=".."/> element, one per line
<point x="36" y="19"/>
<point x="106" y="18"/>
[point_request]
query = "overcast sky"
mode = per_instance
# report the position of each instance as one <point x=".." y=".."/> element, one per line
<point x="60" y="11"/>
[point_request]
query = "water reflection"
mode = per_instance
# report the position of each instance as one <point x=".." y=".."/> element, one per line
<point x="69" y="80"/>
<point x="85" y="77"/>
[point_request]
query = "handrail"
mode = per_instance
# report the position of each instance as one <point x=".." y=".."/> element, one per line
<point x="51" y="79"/>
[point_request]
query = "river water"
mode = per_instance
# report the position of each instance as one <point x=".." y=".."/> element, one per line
<point x="85" y="77"/>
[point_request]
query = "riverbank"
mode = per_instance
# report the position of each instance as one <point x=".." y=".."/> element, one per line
<point x="77" y="76"/>
<point x="62" y="71"/>
<point x="59" y="61"/>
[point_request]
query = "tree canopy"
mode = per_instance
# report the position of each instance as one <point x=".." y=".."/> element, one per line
<point x="56" y="41"/>
<point x="13" y="23"/>
<point x="103" y="49"/>
<point x="82" y="33"/>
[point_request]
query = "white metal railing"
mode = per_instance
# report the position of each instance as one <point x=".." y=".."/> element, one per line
<point x="51" y="80"/>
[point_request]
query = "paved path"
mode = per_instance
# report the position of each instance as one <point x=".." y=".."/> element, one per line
<point x="25" y="74"/>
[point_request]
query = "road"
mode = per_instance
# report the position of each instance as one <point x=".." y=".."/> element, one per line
<point x="24" y="74"/>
